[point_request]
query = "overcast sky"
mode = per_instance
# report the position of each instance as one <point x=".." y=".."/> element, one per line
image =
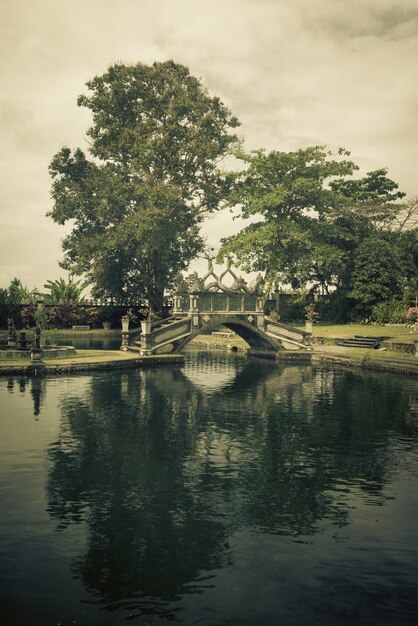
<point x="295" y="72"/>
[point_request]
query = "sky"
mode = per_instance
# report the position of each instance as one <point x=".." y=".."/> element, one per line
<point x="296" y="73"/>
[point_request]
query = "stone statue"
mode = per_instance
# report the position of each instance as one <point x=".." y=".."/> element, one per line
<point x="36" y="350"/>
<point x="196" y="283"/>
<point x="239" y="284"/>
<point x="256" y="287"/>
<point x="12" y="335"/>
<point x="180" y="285"/>
<point x="37" y="341"/>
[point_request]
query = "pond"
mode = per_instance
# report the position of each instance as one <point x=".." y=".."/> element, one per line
<point x="226" y="491"/>
<point x="86" y="343"/>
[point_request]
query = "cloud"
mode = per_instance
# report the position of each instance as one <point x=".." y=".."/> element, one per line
<point x="295" y="72"/>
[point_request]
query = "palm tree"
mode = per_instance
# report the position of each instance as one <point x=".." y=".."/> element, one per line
<point x="65" y="291"/>
<point x="20" y="294"/>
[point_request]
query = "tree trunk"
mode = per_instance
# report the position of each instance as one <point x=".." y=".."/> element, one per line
<point x="156" y="300"/>
<point x="156" y="293"/>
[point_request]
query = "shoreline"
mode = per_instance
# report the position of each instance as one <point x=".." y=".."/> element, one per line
<point x="389" y="366"/>
<point x="84" y="361"/>
<point x="105" y="360"/>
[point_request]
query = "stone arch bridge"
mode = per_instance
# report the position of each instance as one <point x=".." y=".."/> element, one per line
<point x="201" y="306"/>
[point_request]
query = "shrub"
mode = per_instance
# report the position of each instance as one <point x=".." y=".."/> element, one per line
<point x="335" y="307"/>
<point x="294" y="311"/>
<point x="412" y="314"/>
<point x="4" y="307"/>
<point x="87" y="315"/>
<point x="273" y="315"/>
<point x="137" y="315"/>
<point x="389" y="313"/>
<point x="63" y="315"/>
<point x="109" y="313"/>
<point x="28" y="315"/>
<point x="9" y="307"/>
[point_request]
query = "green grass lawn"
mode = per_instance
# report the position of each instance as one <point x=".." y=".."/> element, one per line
<point x="342" y="331"/>
<point x="210" y="340"/>
<point x="328" y="331"/>
<point x="69" y="332"/>
<point x="80" y="356"/>
<point x="363" y="354"/>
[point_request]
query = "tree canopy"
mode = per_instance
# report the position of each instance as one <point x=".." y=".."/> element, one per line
<point x="310" y="216"/>
<point x="136" y="201"/>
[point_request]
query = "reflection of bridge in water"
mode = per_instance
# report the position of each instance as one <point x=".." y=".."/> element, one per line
<point x="202" y="306"/>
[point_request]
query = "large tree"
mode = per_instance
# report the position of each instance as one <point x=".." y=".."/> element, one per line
<point x="309" y="216"/>
<point x="153" y="173"/>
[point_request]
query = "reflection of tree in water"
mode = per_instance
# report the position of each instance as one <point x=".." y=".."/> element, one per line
<point x="310" y="456"/>
<point x="163" y="473"/>
<point x="149" y="534"/>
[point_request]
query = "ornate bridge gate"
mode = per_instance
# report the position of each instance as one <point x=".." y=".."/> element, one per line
<point x="203" y="304"/>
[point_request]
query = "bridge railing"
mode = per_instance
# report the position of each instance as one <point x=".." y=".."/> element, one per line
<point x="163" y="322"/>
<point x="160" y="334"/>
<point x="286" y="333"/>
<point x="206" y="302"/>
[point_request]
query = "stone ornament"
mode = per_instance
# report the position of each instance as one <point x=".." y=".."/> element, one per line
<point x="12" y="334"/>
<point x="194" y="284"/>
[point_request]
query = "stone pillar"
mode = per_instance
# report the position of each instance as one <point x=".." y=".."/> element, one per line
<point x="146" y="339"/>
<point x="177" y="304"/>
<point x="125" y="323"/>
<point x="23" y="344"/>
<point x="125" y="341"/>
<point x="125" y="333"/>
<point x="194" y="309"/>
<point x="259" y="307"/>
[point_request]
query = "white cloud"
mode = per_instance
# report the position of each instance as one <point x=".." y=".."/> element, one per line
<point x="295" y="72"/>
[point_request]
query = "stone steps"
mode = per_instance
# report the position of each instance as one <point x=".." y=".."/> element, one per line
<point x="359" y="341"/>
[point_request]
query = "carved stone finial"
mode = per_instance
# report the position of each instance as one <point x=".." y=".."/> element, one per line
<point x="239" y="284"/>
<point x="196" y="283"/>
<point x="256" y="287"/>
<point x="210" y="260"/>
<point x="180" y="285"/>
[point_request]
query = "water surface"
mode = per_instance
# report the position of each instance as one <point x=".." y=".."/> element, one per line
<point x="86" y="343"/>
<point x="227" y="491"/>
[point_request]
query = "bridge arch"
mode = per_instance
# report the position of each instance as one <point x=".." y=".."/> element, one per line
<point x="255" y="338"/>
